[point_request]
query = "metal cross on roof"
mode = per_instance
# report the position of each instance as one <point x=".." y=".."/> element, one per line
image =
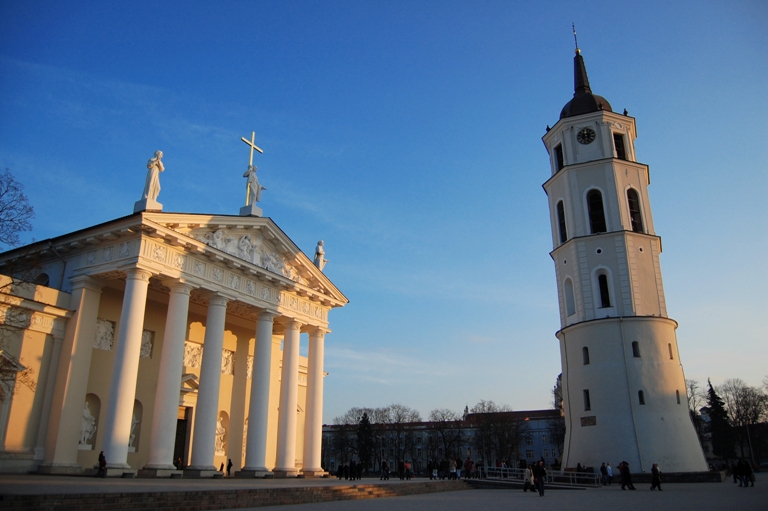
<point x="252" y="144"/>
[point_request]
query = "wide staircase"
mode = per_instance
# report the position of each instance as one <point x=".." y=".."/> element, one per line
<point x="205" y="500"/>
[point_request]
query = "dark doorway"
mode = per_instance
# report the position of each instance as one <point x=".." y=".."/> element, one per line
<point x="180" y="446"/>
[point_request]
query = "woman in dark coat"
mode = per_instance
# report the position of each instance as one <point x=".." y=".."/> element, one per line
<point x="655" y="477"/>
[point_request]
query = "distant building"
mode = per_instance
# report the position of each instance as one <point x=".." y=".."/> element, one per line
<point x="422" y="442"/>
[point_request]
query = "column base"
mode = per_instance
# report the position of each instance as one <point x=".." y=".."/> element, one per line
<point x="202" y="473"/>
<point x="128" y="473"/>
<point x="283" y="473"/>
<point x="314" y="472"/>
<point x="260" y="473"/>
<point x="172" y="473"/>
<point x="60" y="469"/>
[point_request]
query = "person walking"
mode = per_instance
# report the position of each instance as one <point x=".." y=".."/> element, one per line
<point x="530" y="482"/>
<point x="540" y="473"/>
<point x="603" y="474"/>
<point x="102" y="465"/>
<point x="609" y="470"/>
<point x="655" y="477"/>
<point x="626" y="476"/>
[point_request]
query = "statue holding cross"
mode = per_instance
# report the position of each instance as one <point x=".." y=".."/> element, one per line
<point x="253" y="188"/>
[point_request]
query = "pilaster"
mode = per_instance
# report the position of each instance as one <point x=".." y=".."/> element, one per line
<point x="74" y="364"/>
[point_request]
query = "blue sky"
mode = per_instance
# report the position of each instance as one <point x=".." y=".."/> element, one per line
<point x="407" y="135"/>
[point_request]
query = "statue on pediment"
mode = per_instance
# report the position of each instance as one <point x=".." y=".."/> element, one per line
<point x="320" y="260"/>
<point x="254" y="187"/>
<point x="152" y="184"/>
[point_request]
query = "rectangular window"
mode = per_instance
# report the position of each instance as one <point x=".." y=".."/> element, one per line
<point x="587" y="403"/>
<point x="418" y="453"/>
<point x="529" y="454"/>
<point x="546" y="453"/>
<point x="529" y="441"/>
<point x="559" y="162"/>
<point x="544" y="439"/>
<point x="618" y="142"/>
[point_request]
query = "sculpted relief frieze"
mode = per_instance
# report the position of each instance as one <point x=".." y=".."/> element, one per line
<point x="252" y="249"/>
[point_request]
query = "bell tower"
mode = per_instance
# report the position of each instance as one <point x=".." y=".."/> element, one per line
<point x="623" y="385"/>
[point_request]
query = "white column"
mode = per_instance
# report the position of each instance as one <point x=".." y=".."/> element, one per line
<point x="313" y="426"/>
<point x="207" y="410"/>
<point x="289" y="394"/>
<point x="258" y="408"/>
<point x="125" y="368"/>
<point x="165" y="414"/>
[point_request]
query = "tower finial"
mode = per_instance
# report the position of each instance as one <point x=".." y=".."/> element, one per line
<point x="576" y="41"/>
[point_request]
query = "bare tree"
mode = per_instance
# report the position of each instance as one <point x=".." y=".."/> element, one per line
<point x="398" y="419"/>
<point x="447" y="426"/>
<point x="497" y="431"/>
<point x="15" y="212"/>
<point x="746" y="406"/>
<point x="697" y="398"/>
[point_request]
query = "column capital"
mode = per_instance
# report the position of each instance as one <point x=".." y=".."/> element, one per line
<point x="178" y="285"/>
<point x="138" y="274"/>
<point x="266" y="315"/>
<point x="215" y="298"/>
<point x="318" y="332"/>
<point x="293" y="324"/>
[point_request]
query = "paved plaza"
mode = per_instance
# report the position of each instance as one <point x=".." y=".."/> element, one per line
<point x="723" y="496"/>
<point x="680" y="496"/>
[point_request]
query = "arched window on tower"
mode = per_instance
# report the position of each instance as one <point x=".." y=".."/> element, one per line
<point x="561" y="222"/>
<point x="596" y="212"/>
<point x="570" y="306"/>
<point x="605" y="296"/>
<point x="587" y="401"/>
<point x="559" y="162"/>
<point x="641" y="397"/>
<point x="669" y="345"/>
<point x="585" y="355"/>
<point x="677" y="393"/>
<point x="635" y="349"/>
<point x="634" y="210"/>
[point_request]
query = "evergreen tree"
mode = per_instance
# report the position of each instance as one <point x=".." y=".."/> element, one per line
<point x="719" y="427"/>
<point x="365" y="441"/>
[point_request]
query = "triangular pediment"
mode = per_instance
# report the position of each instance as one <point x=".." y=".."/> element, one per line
<point x="251" y="240"/>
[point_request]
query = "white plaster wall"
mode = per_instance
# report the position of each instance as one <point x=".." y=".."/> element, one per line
<point x="659" y="431"/>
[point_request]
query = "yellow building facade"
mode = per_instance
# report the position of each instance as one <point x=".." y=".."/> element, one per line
<point x="169" y="342"/>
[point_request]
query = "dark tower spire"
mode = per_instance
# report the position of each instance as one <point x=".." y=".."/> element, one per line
<point x="583" y="101"/>
<point x="580" y="78"/>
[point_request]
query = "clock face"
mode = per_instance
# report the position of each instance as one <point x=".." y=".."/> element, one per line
<point x="585" y="135"/>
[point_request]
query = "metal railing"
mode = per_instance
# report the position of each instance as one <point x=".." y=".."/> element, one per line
<point x="560" y="478"/>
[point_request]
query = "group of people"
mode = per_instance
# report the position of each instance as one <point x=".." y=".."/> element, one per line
<point x="452" y="469"/>
<point x="606" y="475"/>
<point x="535" y="475"/>
<point x="350" y="471"/>
<point x="743" y="473"/>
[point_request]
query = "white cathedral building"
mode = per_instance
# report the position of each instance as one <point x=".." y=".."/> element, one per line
<point x="167" y="341"/>
<point x="624" y="390"/>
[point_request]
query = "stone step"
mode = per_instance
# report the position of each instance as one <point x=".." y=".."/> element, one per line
<point x="204" y="500"/>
